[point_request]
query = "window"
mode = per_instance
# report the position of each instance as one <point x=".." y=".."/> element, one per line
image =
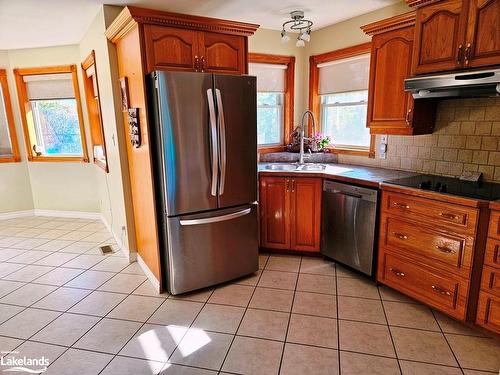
<point x="274" y="99"/>
<point x="269" y="118"/>
<point x="51" y="113"/>
<point x="339" y="98"/>
<point x="9" y="151"/>
<point x="91" y="87"/>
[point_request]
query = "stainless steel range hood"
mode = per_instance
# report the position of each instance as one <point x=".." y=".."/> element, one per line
<point x="456" y="85"/>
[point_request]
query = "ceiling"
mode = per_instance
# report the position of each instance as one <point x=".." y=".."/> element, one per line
<point x="35" y="23"/>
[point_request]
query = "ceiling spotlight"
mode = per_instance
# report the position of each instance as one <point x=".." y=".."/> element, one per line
<point x="284" y="37"/>
<point x="306" y="36"/>
<point x="297" y="24"/>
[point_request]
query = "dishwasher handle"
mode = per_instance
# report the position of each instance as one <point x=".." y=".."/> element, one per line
<point x="359" y="196"/>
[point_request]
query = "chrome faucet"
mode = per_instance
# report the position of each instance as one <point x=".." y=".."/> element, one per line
<point x="302" y="135"/>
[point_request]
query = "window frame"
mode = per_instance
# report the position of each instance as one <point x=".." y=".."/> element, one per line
<point x="15" y="157"/>
<point x="94" y="114"/>
<point x="25" y="109"/>
<point x="288" y="97"/>
<point x="315" y="97"/>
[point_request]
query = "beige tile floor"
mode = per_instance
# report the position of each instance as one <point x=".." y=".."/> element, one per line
<point x="95" y="314"/>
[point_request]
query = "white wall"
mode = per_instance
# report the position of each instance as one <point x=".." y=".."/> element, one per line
<point x="113" y="188"/>
<point x="55" y="185"/>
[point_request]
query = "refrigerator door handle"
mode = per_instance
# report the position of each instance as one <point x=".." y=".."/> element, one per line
<point x="222" y="129"/>
<point x="216" y="219"/>
<point x="213" y="135"/>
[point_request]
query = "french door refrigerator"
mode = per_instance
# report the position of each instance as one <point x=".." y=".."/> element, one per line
<point x="204" y="141"/>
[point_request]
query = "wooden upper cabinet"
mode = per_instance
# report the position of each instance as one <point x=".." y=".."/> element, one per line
<point x="483" y="34"/>
<point x="439" y="36"/>
<point x="221" y="53"/>
<point x="169" y="48"/>
<point x="455" y="34"/>
<point x="391" y="110"/>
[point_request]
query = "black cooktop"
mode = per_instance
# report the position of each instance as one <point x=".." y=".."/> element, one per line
<point x="482" y="190"/>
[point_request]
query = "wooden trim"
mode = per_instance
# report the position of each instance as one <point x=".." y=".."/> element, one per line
<point x="88" y="89"/>
<point x="288" y="115"/>
<point x="419" y="3"/>
<point x="389" y="24"/>
<point x="270" y="149"/>
<point x="131" y="15"/>
<point x="314" y="98"/>
<point x="15" y="157"/>
<point x="24" y="108"/>
<point x="343" y="53"/>
<point x="370" y="152"/>
<point x="89" y="60"/>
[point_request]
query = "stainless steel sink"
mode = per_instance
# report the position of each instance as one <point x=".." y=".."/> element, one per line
<point x="281" y="167"/>
<point x="312" y="167"/>
<point x="295" y="167"/>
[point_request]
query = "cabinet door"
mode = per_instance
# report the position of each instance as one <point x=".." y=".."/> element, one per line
<point x="483" y="33"/>
<point x="389" y="106"/>
<point x="274" y="212"/>
<point x="439" y="36"/>
<point x="222" y="53"/>
<point x="305" y="213"/>
<point x="168" y="48"/>
<point x="488" y="312"/>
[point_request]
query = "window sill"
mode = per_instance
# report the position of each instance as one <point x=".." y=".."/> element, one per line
<point x="352" y="151"/>
<point x="269" y="149"/>
<point x="10" y="159"/>
<point x="73" y="159"/>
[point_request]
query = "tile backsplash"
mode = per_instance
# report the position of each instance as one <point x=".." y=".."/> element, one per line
<point x="466" y="137"/>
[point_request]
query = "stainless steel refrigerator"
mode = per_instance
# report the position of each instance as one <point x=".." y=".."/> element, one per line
<point x="203" y="135"/>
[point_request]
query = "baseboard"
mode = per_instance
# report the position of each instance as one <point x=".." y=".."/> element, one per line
<point x="68" y="214"/>
<point x="152" y="278"/>
<point x="15" y="214"/>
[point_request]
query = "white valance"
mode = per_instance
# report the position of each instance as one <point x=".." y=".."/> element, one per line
<point x="350" y="74"/>
<point x="49" y="86"/>
<point x="270" y="77"/>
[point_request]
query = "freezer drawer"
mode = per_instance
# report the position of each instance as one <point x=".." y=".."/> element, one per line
<point x="211" y="248"/>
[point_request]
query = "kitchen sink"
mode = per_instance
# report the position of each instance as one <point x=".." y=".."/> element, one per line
<point x="295" y="167"/>
<point x="312" y="167"/>
<point x="281" y="167"/>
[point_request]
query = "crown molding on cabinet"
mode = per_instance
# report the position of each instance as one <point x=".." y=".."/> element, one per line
<point x="131" y="15"/>
<point x="388" y="24"/>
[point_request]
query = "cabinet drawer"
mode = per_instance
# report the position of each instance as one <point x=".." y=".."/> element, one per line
<point x="429" y="211"/>
<point x="453" y="251"/>
<point x="440" y="290"/>
<point x="488" y="312"/>
<point x="490" y="280"/>
<point x="492" y="254"/>
<point x="494" y="228"/>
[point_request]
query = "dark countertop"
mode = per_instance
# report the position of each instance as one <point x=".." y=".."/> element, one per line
<point x="356" y="174"/>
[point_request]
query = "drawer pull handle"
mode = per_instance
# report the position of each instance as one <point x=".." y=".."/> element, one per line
<point x="401" y="205"/>
<point x="397" y="272"/>
<point x="448" y="216"/>
<point x="440" y="290"/>
<point x="401" y="236"/>
<point x="446" y="250"/>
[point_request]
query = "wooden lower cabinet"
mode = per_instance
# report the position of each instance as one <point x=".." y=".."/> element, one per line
<point x="431" y="248"/>
<point x="290" y="213"/>
<point x="488" y="307"/>
<point x="438" y="289"/>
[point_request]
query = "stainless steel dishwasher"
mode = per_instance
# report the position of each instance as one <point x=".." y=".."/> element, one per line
<point x="348" y="225"/>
